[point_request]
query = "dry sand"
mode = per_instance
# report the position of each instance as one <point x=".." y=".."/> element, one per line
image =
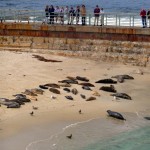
<point x="19" y="71"/>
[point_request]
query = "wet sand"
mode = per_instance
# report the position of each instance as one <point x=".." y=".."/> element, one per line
<point x="19" y="71"/>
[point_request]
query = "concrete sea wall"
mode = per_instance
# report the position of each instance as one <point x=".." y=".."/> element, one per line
<point x="127" y="45"/>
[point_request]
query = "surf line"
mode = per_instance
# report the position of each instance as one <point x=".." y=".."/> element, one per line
<point x="55" y="135"/>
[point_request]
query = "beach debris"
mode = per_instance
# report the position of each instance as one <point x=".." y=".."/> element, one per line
<point x="35" y="108"/>
<point x="53" y="85"/>
<point x="54" y="90"/>
<point x="115" y="115"/>
<point x="69" y="97"/>
<point x="110" y="88"/>
<point x="87" y="84"/>
<point x="122" y="95"/>
<point x="43" y="87"/>
<point x="139" y="71"/>
<point x="83" y="96"/>
<point x="32" y="98"/>
<point x="80" y="112"/>
<point x="32" y="113"/>
<point x="53" y="97"/>
<point x="69" y="136"/>
<point x="69" y="81"/>
<point x="66" y="89"/>
<point x="106" y="81"/>
<point x="125" y="76"/>
<point x="41" y="58"/>
<point x="96" y="93"/>
<point x="82" y="78"/>
<point x="91" y="98"/>
<point x="74" y="91"/>
<point x="86" y="88"/>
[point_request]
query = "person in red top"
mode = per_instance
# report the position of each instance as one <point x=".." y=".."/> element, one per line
<point x="143" y="16"/>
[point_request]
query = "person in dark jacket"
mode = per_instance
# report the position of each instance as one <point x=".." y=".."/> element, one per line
<point x="96" y="15"/>
<point x="46" y="13"/>
<point x="51" y="12"/>
<point x="143" y="16"/>
<point x="148" y="16"/>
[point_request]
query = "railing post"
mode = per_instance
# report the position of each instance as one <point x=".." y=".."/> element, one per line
<point x="133" y="21"/>
<point x="89" y="19"/>
<point x="119" y="19"/>
<point x="116" y="20"/>
<point x="106" y="19"/>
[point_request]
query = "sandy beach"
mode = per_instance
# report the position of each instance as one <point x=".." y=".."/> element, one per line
<point x="20" y="71"/>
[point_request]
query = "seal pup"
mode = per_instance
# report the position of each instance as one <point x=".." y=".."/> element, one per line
<point x="74" y="91"/>
<point x="54" y="90"/>
<point x="110" y="88"/>
<point x="86" y="88"/>
<point x="91" y="98"/>
<point x="82" y="78"/>
<point x="122" y="95"/>
<point x="83" y="96"/>
<point x="115" y="115"/>
<point x="52" y="85"/>
<point x="69" y="136"/>
<point x="66" y="89"/>
<point x="107" y="81"/>
<point x="69" y="97"/>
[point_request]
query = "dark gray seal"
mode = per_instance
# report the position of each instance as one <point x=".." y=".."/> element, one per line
<point x="110" y="88"/>
<point x="69" y="97"/>
<point x="115" y="115"/>
<point x="82" y="78"/>
<point x="122" y="95"/>
<point x="74" y="91"/>
<point x="86" y="88"/>
<point x="69" y="81"/>
<point x="66" y="89"/>
<point x="83" y="96"/>
<point x="52" y="85"/>
<point x="87" y="84"/>
<point x="107" y="81"/>
<point x="43" y="87"/>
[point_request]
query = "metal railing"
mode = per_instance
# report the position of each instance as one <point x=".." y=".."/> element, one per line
<point x="37" y="16"/>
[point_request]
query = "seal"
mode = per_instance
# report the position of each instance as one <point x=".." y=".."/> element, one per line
<point x="53" y="85"/>
<point x="86" y="88"/>
<point x="82" y="78"/>
<point x="54" y="90"/>
<point x="66" y="89"/>
<point x="83" y="96"/>
<point x="115" y="115"/>
<point x="69" y="136"/>
<point x="69" y="97"/>
<point x="122" y="95"/>
<point x="91" y="98"/>
<point x="124" y="76"/>
<point x="110" y="88"/>
<point x="74" y="91"/>
<point x="69" y="81"/>
<point x="87" y="84"/>
<point x="43" y="87"/>
<point x="106" y="81"/>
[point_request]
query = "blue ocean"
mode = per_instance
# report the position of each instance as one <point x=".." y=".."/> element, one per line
<point x="129" y="6"/>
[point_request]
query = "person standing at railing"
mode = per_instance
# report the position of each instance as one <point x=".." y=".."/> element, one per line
<point x="143" y="16"/>
<point x="102" y="16"/>
<point x="96" y="15"/>
<point x="62" y="15"/>
<point x="66" y="12"/>
<point x="56" y="13"/>
<point x="72" y="15"/>
<point x="46" y="13"/>
<point x="51" y="12"/>
<point x="83" y="14"/>
<point x="148" y="16"/>
<point x="77" y="12"/>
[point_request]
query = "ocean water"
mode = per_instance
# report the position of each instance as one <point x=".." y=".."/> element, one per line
<point x="101" y="134"/>
<point x="109" y="6"/>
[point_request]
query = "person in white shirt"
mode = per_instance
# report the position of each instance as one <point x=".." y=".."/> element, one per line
<point x="102" y="16"/>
